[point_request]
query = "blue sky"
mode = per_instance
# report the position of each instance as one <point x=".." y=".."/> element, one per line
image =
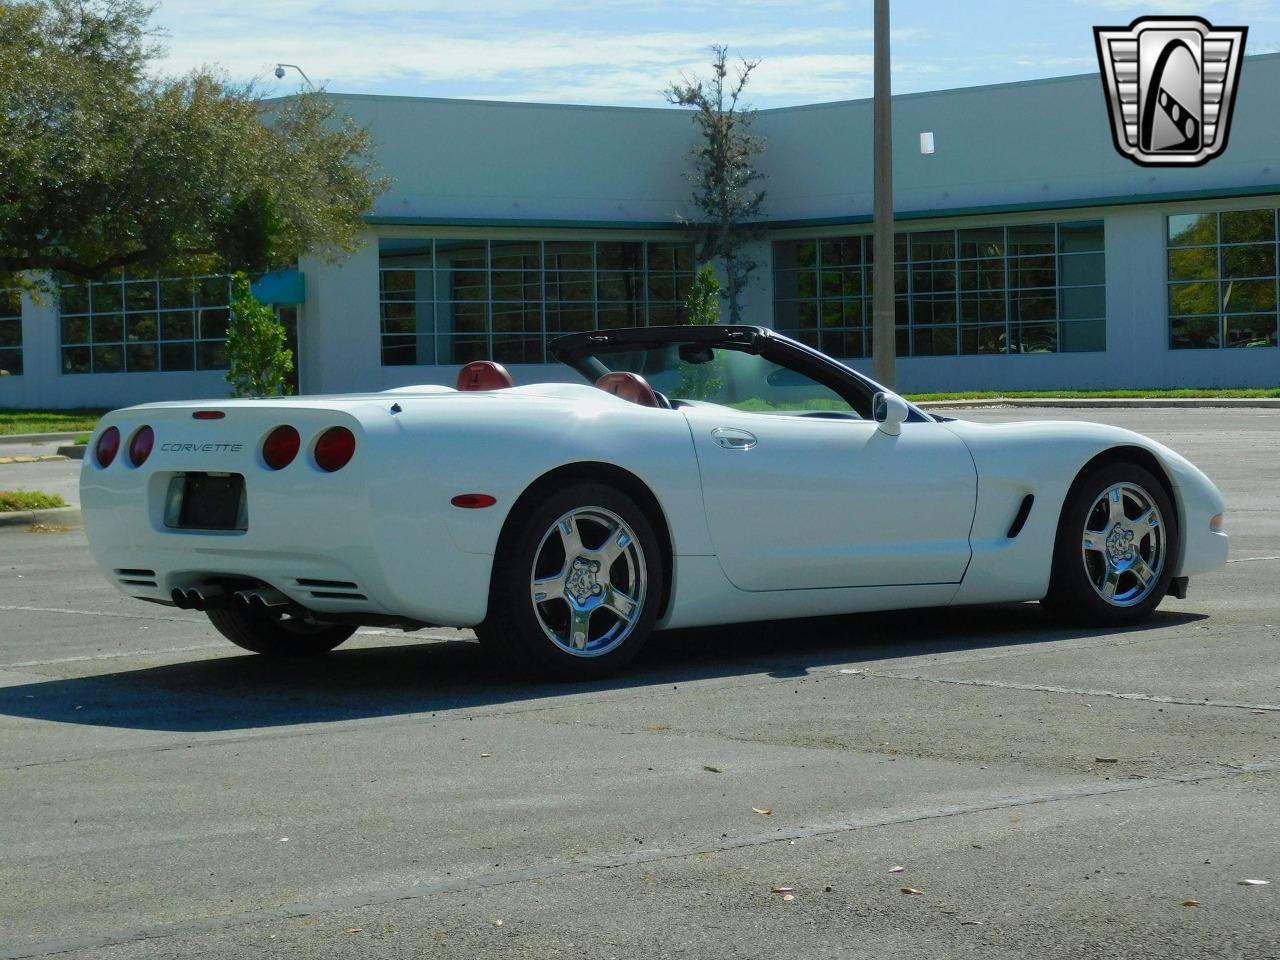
<point x="613" y="52"/>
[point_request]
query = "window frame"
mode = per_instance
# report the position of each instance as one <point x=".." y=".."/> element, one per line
<point x="956" y="265"/>
<point x="1216" y="326"/>
<point x="119" y="294"/>
<point x="572" y="289"/>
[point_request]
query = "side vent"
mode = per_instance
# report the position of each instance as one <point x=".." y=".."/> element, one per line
<point x="1020" y="519"/>
<point x="332" y="589"/>
<point x="136" y="577"/>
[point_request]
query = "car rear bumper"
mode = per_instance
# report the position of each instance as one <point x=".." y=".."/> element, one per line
<point x="315" y="539"/>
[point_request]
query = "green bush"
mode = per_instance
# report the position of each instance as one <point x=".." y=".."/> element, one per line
<point x="14" y="500"/>
<point x="255" y="346"/>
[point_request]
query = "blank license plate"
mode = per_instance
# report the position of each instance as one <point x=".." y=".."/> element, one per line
<point x="207" y="501"/>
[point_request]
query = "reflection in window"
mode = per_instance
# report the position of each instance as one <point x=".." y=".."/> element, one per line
<point x="1033" y="288"/>
<point x="10" y="333"/>
<point x="129" y="325"/>
<point x="1222" y="279"/>
<point x="452" y="301"/>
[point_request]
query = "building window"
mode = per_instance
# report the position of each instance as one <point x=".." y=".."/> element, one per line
<point x="10" y="333"/>
<point x="452" y="301"/>
<point x="1036" y="288"/>
<point x="1222" y="279"/>
<point x="142" y="326"/>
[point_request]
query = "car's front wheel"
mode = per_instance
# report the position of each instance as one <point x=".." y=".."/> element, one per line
<point x="1116" y="547"/>
<point x="576" y="585"/>
<point x="278" y="635"/>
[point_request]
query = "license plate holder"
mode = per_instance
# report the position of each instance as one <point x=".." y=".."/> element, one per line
<point x="207" y="501"/>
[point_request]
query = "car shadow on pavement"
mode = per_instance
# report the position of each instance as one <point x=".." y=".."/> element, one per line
<point x="243" y="692"/>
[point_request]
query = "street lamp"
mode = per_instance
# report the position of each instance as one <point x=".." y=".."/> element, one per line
<point x="280" y="73"/>
<point x="883" y="329"/>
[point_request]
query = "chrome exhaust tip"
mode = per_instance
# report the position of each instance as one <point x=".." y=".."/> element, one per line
<point x="198" y="598"/>
<point x="262" y="599"/>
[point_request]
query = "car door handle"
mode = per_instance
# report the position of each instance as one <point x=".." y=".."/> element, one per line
<point x="731" y="438"/>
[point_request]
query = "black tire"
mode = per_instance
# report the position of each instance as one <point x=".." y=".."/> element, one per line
<point x="516" y="628"/>
<point x="278" y="636"/>
<point x="1072" y="593"/>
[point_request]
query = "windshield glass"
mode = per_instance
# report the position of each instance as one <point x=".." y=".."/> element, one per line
<point x="745" y="381"/>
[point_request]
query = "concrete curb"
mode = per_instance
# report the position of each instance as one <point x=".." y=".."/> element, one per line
<point x="67" y="435"/>
<point x="1111" y="403"/>
<point x="19" y="520"/>
<point x="73" y="452"/>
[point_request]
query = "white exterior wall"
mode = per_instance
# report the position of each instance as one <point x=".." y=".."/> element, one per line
<point x="1037" y="142"/>
<point x="339" y="333"/>
<point x="461" y="161"/>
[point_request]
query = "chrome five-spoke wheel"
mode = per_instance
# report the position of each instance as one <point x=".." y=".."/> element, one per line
<point x="1116" y="546"/>
<point x="1124" y="544"/>
<point x="589" y="581"/>
<point x="578" y="580"/>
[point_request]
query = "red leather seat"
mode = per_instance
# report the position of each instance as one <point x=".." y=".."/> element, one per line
<point x="484" y="375"/>
<point x="629" y="386"/>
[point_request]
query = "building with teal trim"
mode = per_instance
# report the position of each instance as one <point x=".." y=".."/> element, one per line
<point x="1030" y="254"/>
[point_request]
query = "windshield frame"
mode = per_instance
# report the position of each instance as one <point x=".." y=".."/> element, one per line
<point x="579" y="351"/>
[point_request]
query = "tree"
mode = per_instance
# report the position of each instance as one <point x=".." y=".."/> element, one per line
<point x="105" y="166"/>
<point x="702" y="305"/>
<point x="724" y="171"/>
<point x="702" y="381"/>
<point x="258" y="359"/>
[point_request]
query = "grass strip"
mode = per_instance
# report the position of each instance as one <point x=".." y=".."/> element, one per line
<point x="12" y="501"/>
<point x="1240" y="393"/>
<point x="48" y="421"/>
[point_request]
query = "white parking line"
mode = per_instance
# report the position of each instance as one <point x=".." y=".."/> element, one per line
<point x="1251" y="559"/>
<point x="1079" y="692"/>
<point x="95" y="613"/>
<point x="113" y="656"/>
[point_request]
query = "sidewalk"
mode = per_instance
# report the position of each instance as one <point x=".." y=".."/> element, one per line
<point x="1112" y="403"/>
<point x="38" y="438"/>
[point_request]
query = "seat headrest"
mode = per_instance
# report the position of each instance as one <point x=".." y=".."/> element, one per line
<point x="629" y="386"/>
<point x="484" y="375"/>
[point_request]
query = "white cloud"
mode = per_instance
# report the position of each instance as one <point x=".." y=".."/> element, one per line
<point x="1083" y="63"/>
<point x="1216" y="10"/>
<point x="522" y="49"/>
<point x="622" y="52"/>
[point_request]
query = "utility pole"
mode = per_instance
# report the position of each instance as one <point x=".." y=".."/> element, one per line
<point x="883" y="335"/>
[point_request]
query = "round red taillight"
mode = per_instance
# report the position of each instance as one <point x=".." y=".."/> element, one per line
<point x="335" y="448"/>
<point x="280" y="447"/>
<point x="140" y="446"/>
<point x="108" y="446"/>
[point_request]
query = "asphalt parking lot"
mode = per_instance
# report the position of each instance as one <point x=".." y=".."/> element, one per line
<point x="744" y="792"/>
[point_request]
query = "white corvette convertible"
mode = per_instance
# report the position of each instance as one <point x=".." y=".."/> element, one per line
<point x="690" y="476"/>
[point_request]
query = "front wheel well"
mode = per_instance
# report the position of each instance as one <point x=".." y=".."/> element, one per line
<point x="1148" y="461"/>
<point x="611" y="475"/>
<point x="1143" y="458"/>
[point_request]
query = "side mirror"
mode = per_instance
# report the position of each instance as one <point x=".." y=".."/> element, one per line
<point x="889" y="410"/>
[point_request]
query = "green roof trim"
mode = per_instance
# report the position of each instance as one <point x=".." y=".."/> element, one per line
<point x="377" y="220"/>
<point x="1121" y="200"/>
